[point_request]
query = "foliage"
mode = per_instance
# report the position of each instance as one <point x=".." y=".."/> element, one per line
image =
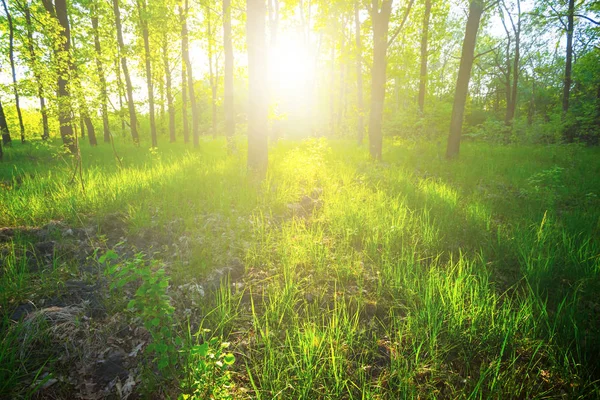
<point x="150" y="303"/>
<point x="207" y="375"/>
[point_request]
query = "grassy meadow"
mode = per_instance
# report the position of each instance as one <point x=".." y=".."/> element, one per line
<point x="176" y="275"/>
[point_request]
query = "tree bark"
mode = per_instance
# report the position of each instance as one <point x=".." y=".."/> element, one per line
<point x="257" y="93"/>
<point x="3" y="130"/>
<point x="516" y="67"/>
<point x="464" y="75"/>
<point x="129" y="87"/>
<point x="168" y="84"/>
<point x="121" y="94"/>
<point x="58" y="10"/>
<point x="141" y="5"/>
<point x="424" y="55"/>
<point x="359" y="79"/>
<point x="332" y="88"/>
<point x="190" y="78"/>
<point x="569" y="57"/>
<point x="211" y="73"/>
<point x="228" y="104"/>
<point x="100" y="69"/>
<point x="11" y="56"/>
<point x="36" y="72"/>
<point x="184" y="103"/>
<point x="380" y="19"/>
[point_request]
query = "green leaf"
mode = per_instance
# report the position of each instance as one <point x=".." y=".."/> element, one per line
<point x="229" y="359"/>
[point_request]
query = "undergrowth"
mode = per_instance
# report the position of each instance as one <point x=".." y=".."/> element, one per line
<point x="413" y="277"/>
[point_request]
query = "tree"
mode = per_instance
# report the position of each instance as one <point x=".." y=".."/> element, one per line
<point x="168" y="84"/>
<point x="188" y="73"/>
<point x="257" y="90"/>
<point x="100" y="69"/>
<point x="143" y="21"/>
<point x="3" y="130"/>
<point x="464" y="75"/>
<point x="380" y="17"/>
<point x="424" y="55"/>
<point x="228" y="97"/>
<point x="359" y="80"/>
<point x="129" y="87"/>
<point x="34" y="65"/>
<point x="11" y="55"/>
<point x="569" y="57"/>
<point x="58" y="11"/>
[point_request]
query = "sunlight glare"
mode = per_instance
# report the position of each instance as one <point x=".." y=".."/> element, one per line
<point x="291" y="69"/>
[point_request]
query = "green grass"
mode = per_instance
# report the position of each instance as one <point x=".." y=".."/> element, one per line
<point x="415" y="277"/>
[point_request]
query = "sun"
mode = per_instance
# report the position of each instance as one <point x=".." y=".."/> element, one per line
<point x="291" y="68"/>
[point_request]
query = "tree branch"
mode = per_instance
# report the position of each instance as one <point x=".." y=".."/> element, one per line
<point x="588" y="18"/>
<point x="399" y="28"/>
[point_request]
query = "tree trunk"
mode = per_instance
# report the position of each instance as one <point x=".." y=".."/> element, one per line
<point x="11" y="56"/>
<point x="424" y="55"/>
<point x="36" y="72"/>
<point x="121" y="94"/>
<point x="58" y="10"/>
<point x="190" y="79"/>
<point x="211" y="73"/>
<point x="510" y="114"/>
<point x="84" y="114"/>
<point x="228" y="89"/>
<point x="569" y="57"/>
<point x="332" y="88"/>
<point x="380" y="20"/>
<point x="100" y="69"/>
<point x="464" y="75"/>
<point x="3" y="129"/>
<point x="257" y="91"/>
<point x="129" y="87"/>
<point x="81" y="124"/>
<point x="359" y="78"/>
<point x="141" y="5"/>
<point x="184" y="103"/>
<point x="168" y="80"/>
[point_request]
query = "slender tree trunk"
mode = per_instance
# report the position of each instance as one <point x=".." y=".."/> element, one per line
<point x="211" y="73"/>
<point x="257" y="91"/>
<point x="359" y="78"/>
<point x="3" y="130"/>
<point x="130" y="103"/>
<point x="81" y="124"/>
<point x="342" y="66"/>
<point x="380" y="19"/>
<point x="190" y="79"/>
<point x="36" y="72"/>
<point x="121" y="94"/>
<point x="464" y="75"/>
<point x="141" y="5"/>
<point x="424" y="55"/>
<point x="184" y="104"/>
<point x="516" y="67"/>
<point x="84" y="113"/>
<point x="58" y="10"/>
<point x="11" y="56"/>
<point x="569" y="57"/>
<point x="100" y="70"/>
<point x="168" y="80"/>
<point x="332" y="89"/>
<point x="228" y="84"/>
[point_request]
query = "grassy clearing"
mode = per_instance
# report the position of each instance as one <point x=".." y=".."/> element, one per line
<point x="334" y="278"/>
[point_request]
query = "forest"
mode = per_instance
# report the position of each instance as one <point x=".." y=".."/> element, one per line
<point x="299" y="199"/>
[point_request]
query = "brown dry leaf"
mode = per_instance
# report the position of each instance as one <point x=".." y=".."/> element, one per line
<point x="126" y="389"/>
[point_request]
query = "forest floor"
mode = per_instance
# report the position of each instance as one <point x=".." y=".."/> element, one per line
<point x="177" y="276"/>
